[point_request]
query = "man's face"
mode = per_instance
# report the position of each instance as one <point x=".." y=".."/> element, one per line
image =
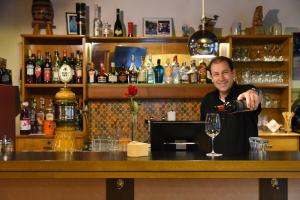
<point x="222" y="76"/>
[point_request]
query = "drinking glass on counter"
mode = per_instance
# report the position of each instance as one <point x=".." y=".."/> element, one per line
<point x="212" y="129"/>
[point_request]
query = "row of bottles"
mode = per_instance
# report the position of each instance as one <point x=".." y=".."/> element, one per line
<point x="148" y="73"/>
<point x="37" y="118"/>
<point x="39" y="70"/>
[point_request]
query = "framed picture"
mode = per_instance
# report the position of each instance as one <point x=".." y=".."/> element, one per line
<point x="157" y="27"/>
<point x="71" y="23"/>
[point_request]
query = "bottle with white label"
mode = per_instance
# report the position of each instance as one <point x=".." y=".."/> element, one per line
<point x="25" y="123"/>
<point x="113" y="75"/>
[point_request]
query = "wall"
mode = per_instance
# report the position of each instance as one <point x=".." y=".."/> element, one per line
<point x="15" y="17"/>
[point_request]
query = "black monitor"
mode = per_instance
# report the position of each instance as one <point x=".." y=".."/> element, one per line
<point x="179" y="136"/>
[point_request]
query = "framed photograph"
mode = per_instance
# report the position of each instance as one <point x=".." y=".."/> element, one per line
<point x="157" y="27"/>
<point x="71" y="23"/>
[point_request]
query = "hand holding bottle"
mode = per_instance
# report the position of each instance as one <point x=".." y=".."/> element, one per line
<point x="252" y="98"/>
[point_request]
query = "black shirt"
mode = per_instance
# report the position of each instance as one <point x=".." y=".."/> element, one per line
<point x="236" y="128"/>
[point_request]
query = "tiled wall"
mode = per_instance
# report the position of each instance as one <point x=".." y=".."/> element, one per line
<point x="112" y="117"/>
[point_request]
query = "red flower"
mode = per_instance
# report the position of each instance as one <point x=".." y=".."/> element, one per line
<point x="132" y="91"/>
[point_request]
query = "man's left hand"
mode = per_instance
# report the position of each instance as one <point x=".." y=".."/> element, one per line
<point x="252" y="99"/>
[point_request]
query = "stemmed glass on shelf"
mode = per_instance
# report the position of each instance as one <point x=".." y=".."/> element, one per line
<point x="212" y="129"/>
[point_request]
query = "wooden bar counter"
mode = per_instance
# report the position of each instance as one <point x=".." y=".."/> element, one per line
<point x="165" y="168"/>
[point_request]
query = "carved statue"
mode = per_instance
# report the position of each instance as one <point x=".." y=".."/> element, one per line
<point x="258" y="16"/>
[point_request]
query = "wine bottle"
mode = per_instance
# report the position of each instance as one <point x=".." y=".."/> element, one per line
<point x="118" y="30"/>
<point x="30" y="69"/>
<point x="233" y="106"/>
<point x="47" y="68"/>
<point x="39" y="67"/>
<point x="25" y="124"/>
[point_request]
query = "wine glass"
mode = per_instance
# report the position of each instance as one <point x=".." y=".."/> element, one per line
<point x="212" y="129"/>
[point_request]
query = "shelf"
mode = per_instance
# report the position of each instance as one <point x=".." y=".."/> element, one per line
<point x="140" y="39"/>
<point x="182" y="91"/>
<point x="79" y="134"/>
<point x="260" y="62"/>
<point x="53" y="85"/>
<point x="280" y="134"/>
<point x="258" y="39"/>
<point x="52" y="39"/>
<point x="271" y="85"/>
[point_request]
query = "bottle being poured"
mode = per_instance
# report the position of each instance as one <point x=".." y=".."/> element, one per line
<point x="233" y="106"/>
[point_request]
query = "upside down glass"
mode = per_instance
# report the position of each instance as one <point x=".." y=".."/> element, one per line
<point x="212" y="129"/>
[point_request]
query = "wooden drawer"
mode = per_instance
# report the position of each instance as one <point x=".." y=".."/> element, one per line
<point x="40" y="144"/>
<point x="284" y="143"/>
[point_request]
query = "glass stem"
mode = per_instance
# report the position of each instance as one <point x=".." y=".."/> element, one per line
<point x="212" y="145"/>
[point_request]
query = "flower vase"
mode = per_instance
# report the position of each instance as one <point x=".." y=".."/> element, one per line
<point x="133" y="125"/>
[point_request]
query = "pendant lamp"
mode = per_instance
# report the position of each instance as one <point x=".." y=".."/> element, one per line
<point x="203" y="43"/>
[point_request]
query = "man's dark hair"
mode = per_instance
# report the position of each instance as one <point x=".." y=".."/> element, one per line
<point x="220" y="59"/>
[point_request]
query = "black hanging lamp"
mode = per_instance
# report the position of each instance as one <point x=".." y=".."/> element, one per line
<point x="203" y="43"/>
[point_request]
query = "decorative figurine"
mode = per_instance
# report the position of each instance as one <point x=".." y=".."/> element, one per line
<point x="42" y="14"/>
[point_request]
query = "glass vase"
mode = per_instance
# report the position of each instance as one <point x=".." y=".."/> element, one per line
<point x="133" y="125"/>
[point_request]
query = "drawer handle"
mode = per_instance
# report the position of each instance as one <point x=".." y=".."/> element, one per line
<point x="269" y="146"/>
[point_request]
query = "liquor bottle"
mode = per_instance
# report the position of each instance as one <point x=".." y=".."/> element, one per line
<point x="55" y="68"/>
<point x="6" y="76"/>
<point x="130" y="29"/>
<point x="118" y="30"/>
<point x="78" y="67"/>
<point x="49" y="124"/>
<point x="72" y="63"/>
<point x="158" y="72"/>
<point x="168" y="72"/>
<point x="113" y="75"/>
<point x="29" y="69"/>
<point x="150" y="72"/>
<point x="184" y="73"/>
<point x="81" y="18"/>
<point x="32" y="116"/>
<point x="102" y="76"/>
<point x="123" y="74"/>
<point x="92" y="73"/>
<point x="47" y="69"/>
<point x="64" y="61"/>
<point x="175" y="71"/>
<point x="40" y="115"/>
<point x="97" y="22"/>
<point x="133" y="72"/>
<point x="49" y="113"/>
<point x="142" y="77"/>
<point x="233" y="106"/>
<point x="202" y="72"/>
<point x="193" y="73"/>
<point x="38" y="69"/>
<point x="25" y="124"/>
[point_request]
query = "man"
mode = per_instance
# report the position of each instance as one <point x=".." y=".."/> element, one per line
<point x="236" y="127"/>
